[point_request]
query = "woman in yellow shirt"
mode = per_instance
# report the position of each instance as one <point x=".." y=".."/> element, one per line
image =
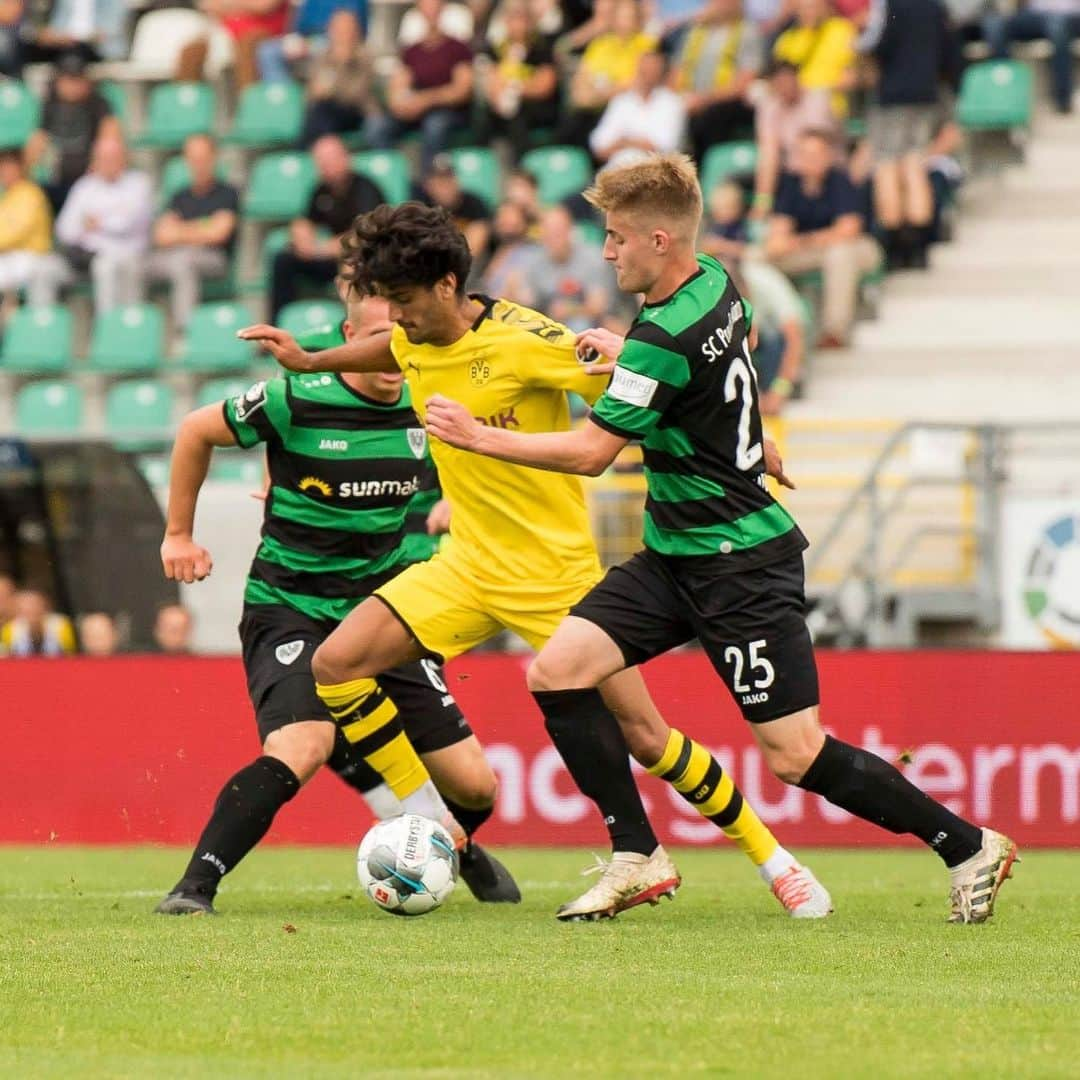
<point x="25" y="222"/>
<point x="822" y="47"/>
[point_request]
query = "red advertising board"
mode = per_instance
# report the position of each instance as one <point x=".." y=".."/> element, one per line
<point x="134" y="749"/>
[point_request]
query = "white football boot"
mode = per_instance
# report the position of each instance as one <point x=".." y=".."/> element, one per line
<point x="627" y="880"/>
<point x="801" y="894"/>
<point x="975" y="882"/>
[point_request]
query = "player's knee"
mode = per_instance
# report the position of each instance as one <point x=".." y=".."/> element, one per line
<point x="304" y="747"/>
<point x="544" y="673"/>
<point x="477" y="791"/>
<point x="790" y="760"/>
<point x="330" y="666"/>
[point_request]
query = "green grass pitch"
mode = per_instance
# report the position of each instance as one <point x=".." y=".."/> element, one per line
<point x="300" y="976"/>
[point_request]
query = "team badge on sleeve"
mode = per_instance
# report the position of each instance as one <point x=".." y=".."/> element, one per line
<point x="250" y="401"/>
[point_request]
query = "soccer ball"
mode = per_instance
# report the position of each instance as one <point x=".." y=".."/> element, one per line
<point x="407" y="864"/>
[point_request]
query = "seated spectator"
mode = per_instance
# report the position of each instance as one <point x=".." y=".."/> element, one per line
<point x="648" y="118"/>
<point x="441" y="187"/>
<point x="607" y="68"/>
<point x="822" y="46"/>
<point x="1056" y="20"/>
<point x="75" y="115"/>
<point x="172" y="631"/>
<point x="720" y="57"/>
<point x="104" y="229"/>
<point x="339" y="82"/>
<point x="98" y="635"/>
<point x="455" y="20"/>
<point x="567" y="279"/>
<point x="915" y="50"/>
<point x="95" y="29"/>
<point x="307" y="33"/>
<point x="504" y="273"/>
<point x="194" y="237"/>
<point x="340" y="195"/>
<point x="35" y="630"/>
<point x="11" y="43"/>
<point x="523" y="189"/>
<point x="816" y="225"/>
<point x="249" y="23"/>
<point x="727" y="232"/>
<point x="585" y="24"/>
<point x="25" y="223"/>
<point x="430" y="90"/>
<point x="769" y="16"/>
<point x="783" y="115"/>
<point x="521" y="88"/>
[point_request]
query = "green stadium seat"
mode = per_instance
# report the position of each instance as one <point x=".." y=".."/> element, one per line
<point x="154" y="469"/>
<point x="234" y="467"/>
<point x="269" y="114"/>
<point x="388" y="170"/>
<point x="49" y="407"/>
<point x="139" y="412"/>
<point x="176" y="176"/>
<point x="215" y="390"/>
<point x="211" y="343"/>
<point x="37" y="340"/>
<point x="560" y="170"/>
<point x="995" y="96"/>
<point x="303" y="316"/>
<point x="280" y="186"/>
<point x="19" y="114"/>
<point x="175" y="111"/>
<point x="726" y="160"/>
<point x="116" y="96"/>
<point x="591" y="232"/>
<point x="477" y="169"/>
<point x="127" y="339"/>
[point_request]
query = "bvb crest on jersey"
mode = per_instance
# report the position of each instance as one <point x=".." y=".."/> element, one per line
<point x="479" y="371"/>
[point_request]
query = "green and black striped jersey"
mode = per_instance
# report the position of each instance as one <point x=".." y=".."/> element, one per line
<point x="685" y="386"/>
<point x="346" y="475"/>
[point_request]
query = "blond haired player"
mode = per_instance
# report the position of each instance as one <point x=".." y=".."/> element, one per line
<point x="521" y="555"/>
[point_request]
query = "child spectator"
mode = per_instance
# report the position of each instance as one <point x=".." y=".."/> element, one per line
<point x="173" y="628"/>
<point x="726" y="233"/>
<point x="98" y="635"/>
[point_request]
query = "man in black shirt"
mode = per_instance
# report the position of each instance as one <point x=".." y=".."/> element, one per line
<point x="194" y="237"/>
<point x="441" y="188"/>
<point x="816" y="225"/>
<point x="339" y="198"/>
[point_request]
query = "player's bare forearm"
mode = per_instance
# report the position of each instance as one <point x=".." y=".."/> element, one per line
<point x="359" y="355"/>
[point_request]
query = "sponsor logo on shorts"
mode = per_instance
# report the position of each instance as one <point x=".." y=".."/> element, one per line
<point x="632" y="388"/>
<point x="288" y="652"/>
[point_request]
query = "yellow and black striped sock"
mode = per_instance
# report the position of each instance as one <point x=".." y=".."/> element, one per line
<point x="696" y="775"/>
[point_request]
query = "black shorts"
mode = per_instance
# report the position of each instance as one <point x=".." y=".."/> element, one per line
<point x="752" y="625"/>
<point x="277" y="645"/>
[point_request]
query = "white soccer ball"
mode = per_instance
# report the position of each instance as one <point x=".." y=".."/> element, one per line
<point x="407" y="865"/>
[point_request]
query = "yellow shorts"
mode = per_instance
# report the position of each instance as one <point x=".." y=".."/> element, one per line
<point x="449" y="611"/>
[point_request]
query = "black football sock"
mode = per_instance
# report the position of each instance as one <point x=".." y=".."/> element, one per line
<point x="872" y="789"/>
<point x="241" y="817"/>
<point x="470" y="820"/>
<point x="591" y="745"/>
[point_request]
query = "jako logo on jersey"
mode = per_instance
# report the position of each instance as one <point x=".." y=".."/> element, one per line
<point x="507" y="419"/>
<point x="313" y="483"/>
<point x="417" y="437"/>
<point x="360" y="489"/>
<point x="632" y="388"/>
<point x="288" y="652"/>
<point x="333" y="444"/>
<point x="718" y="341"/>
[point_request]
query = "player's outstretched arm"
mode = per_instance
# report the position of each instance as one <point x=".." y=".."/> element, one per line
<point x="587" y="450"/>
<point x="358" y="354"/>
<point x="181" y="558"/>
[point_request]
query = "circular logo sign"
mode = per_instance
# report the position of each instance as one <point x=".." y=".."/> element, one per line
<point x="1052" y="583"/>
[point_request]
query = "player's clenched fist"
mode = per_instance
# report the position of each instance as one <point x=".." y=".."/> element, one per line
<point x="450" y="422"/>
<point x="184" y="560"/>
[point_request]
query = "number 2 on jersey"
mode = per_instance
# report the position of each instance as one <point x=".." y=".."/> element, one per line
<point x="747" y="454"/>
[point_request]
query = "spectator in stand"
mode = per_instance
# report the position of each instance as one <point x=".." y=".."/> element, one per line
<point x="277" y="56"/>
<point x="593" y="22"/>
<point x="194" y="237"/>
<point x="75" y="115"/>
<point x="249" y="23"/>
<point x="7" y="599"/>
<point x="173" y="628"/>
<point x="648" y="118"/>
<point x="787" y="110"/>
<point x="455" y="20"/>
<point x="98" y="635"/>
<point x="104" y="229"/>
<point x="430" y="90"/>
<point x="721" y="55"/>
<point x="607" y="68"/>
<point x="11" y="43"/>
<point x="339" y="197"/>
<point x="514" y="250"/>
<point x="339" y="82"/>
<point x="94" y="29"/>
<point x="35" y="629"/>
<point x="523" y="188"/>
<point x="521" y="88"/>
<point x="727" y="232"/>
<point x="441" y="187"/>
<point x="567" y="279"/>
<point x="816" y="225"/>
<point x="915" y="51"/>
<point x="770" y="17"/>
<point x="1056" y="20"/>
<point x="822" y="46"/>
<point x="25" y="223"/>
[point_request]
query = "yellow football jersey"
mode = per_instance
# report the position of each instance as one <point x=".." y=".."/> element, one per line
<point x="509" y="523"/>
